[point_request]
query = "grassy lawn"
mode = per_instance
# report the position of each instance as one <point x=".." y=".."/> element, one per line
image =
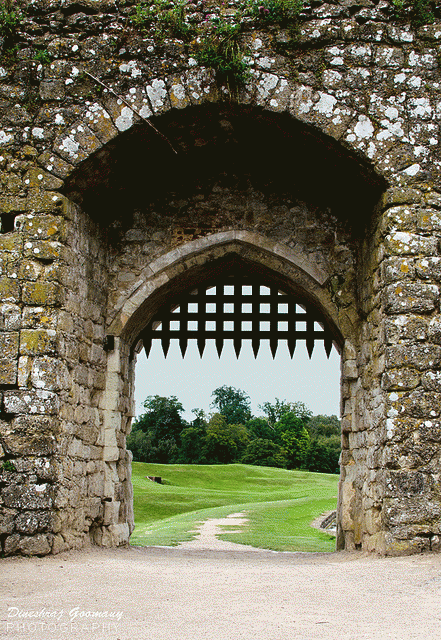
<point x="280" y="504"/>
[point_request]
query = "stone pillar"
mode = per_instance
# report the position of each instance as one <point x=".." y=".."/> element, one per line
<point x="390" y="499"/>
<point x="118" y="409"/>
<point x="34" y="374"/>
<point x="411" y="272"/>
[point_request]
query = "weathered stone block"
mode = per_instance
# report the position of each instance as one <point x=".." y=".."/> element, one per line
<point x="9" y="342"/>
<point x="37" y="342"/>
<point x="39" y="318"/>
<point x="41" y="293"/>
<point x="410" y="510"/>
<point x="45" y="250"/>
<point x="100" y="122"/>
<point x="419" y="404"/>
<point x="44" y="202"/>
<point x="429" y="220"/>
<point x="429" y="431"/>
<point x="399" y="217"/>
<point x="11" y="204"/>
<point x="29" y="522"/>
<point x="77" y="143"/>
<point x="111" y="512"/>
<point x="59" y="545"/>
<point x="431" y="380"/>
<point x="400" y="379"/>
<point x="31" y="402"/>
<point x="406" y="243"/>
<point x="30" y="270"/>
<point x="10" y="317"/>
<point x="413" y="297"/>
<point x="30" y="435"/>
<point x="350" y="370"/>
<point x="7" y="517"/>
<point x="402" y="327"/>
<point x="433" y="199"/>
<point x="11" y="543"/>
<point x="42" y="468"/>
<point x="434" y="330"/>
<point x="429" y="268"/>
<point x="11" y="243"/>
<point x="38" y="545"/>
<point x="54" y="164"/>
<point x="9" y="290"/>
<point x="52" y="90"/>
<point x="400" y="195"/>
<point x="37" y="178"/>
<point x="49" y="373"/>
<point x="394" y="269"/>
<point x="36" y="496"/>
<point x="43" y="227"/>
<point x="421" y="357"/>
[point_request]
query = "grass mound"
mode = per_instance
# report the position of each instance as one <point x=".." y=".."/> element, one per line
<point x="279" y="504"/>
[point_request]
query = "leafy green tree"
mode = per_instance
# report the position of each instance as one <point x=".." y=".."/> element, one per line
<point x="260" y="428"/>
<point x="225" y="443"/>
<point x="276" y="410"/>
<point x="325" y="426"/>
<point x="193" y="440"/>
<point x="264" y="453"/>
<point x="162" y="424"/>
<point x="163" y="416"/>
<point x="294" y="437"/>
<point x="232" y="403"/>
<point x="193" y="445"/>
<point x="139" y="443"/>
<point x="323" y="455"/>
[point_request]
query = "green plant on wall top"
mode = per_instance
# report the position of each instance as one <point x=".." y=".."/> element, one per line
<point x="42" y="56"/>
<point x="216" y="39"/>
<point x="167" y="19"/>
<point x="221" y="50"/>
<point x="7" y="465"/>
<point x="419" y="12"/>
<point x="10" y="16"/>
<point x="276" y="11"/>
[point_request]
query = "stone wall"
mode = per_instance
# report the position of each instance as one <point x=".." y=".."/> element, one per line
<point x="323" y="169"/>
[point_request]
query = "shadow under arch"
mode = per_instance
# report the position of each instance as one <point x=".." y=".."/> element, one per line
<point x="225" y="144"/>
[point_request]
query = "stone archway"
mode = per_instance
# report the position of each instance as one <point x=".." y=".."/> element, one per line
<point x="323" y="170"/>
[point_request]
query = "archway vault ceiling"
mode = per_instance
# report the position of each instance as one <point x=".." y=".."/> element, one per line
<point x="219" y="146"/>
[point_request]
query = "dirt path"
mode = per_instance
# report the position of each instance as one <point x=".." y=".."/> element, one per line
<point x="205" y="591"/>
<point x="208" y="531"/>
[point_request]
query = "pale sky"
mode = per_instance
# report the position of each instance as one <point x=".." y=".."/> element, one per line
<point x="315" y="382"/>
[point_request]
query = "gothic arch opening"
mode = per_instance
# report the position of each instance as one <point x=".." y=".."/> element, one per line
<point x="241" y="302"/>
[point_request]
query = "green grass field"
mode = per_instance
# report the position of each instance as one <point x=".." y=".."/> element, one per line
<point x="279" y="504"/>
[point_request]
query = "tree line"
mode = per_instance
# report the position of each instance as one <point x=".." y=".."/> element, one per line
<point x="287" y="435"/>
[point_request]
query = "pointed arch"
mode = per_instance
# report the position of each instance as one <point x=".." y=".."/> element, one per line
<point x="198" y="260"/>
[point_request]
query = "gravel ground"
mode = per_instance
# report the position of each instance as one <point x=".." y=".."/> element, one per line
<point x="207" y="589"/>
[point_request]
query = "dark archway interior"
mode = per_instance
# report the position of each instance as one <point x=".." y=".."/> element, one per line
<point x="231" y="146"/>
